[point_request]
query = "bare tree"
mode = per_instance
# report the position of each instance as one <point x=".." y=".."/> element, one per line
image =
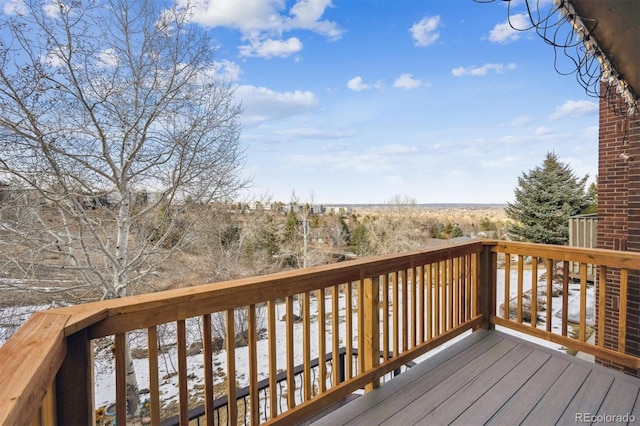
<point x="100" y="101"/>
<point x="394" y="230"/>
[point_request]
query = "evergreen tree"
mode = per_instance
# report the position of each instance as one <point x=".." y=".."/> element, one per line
<point x="291" y="227"/>
<point x="544" y="200"/>
<point x="592" y="198"/>
<point x="360" y="243"/>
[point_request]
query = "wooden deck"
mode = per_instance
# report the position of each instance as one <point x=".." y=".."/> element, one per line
<point x="495" y="378"/>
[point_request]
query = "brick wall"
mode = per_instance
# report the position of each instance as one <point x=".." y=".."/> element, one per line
<point x="619" y="216"/>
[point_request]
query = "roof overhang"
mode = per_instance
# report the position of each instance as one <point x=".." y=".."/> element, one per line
<point x="615" y="25"/>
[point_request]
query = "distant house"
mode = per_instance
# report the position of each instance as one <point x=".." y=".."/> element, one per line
<point x="300" y="208"/>
<point x="338" y="210"/>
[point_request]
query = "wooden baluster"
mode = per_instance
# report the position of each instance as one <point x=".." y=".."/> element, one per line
<point x="154" y="382"/>
<point x="335" y="334"/>
<point x="405" y="310"/>
<point x="371" y="332"/>
<point x="396" y="315"/>
<point x="414" y="307"/>
<point x="520" y="288"/>
<point x="230" y="340"/>
<point x="602" y="299"/>
<point x="507" y="286"/>
<point x="429" y="300"/>
<point x="183" y="384"/>
<point x="436" y="299"/>
<point x="349" y="328"/>
<point x="565" y="296"/>
<point x="322" y="341"/>
<point x="534" y="292"/>
<point x="455" y="294"/>
<point x="472" y="290"/>
<point x="291" y="379"/>
<point x="443" y="295"/>
<point x="362" y="352"/>
<point x="463" y="289"/>
<point x="385" y="316"/>
<point x="583" y="303"/>
<point x="549" y="312"/>
<point x="421" y="297"/>
<point x="252" y="340"/>
<point x="121" y="378"/>
<point x="622" y="326"/>
<point x="306" y="346"/>
<point x="449" y="293"/>
<point x="273" y="360"/>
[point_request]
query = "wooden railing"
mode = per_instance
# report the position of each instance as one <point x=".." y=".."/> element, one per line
<point x="399" y="305"/>
<point x="550" y="277"/>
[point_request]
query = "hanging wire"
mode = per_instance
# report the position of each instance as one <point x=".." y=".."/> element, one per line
<point x="576" y="51"/>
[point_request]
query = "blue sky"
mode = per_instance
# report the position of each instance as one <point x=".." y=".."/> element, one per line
<point x="356" y="101"/>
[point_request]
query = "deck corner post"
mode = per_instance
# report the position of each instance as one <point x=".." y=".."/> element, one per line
<point x="487" y="276"/>
<point x="74" y="382"/>
<point x="372" y="327"/>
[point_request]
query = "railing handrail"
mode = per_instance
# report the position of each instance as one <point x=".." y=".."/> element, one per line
<point x="612" y="258"/>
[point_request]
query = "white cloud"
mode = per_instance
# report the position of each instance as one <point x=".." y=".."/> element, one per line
<point x="357" y="85"/>
<point x="520" y="121"/>
<point x="315" y="133"/>
<point x="14" y="7"/>
<point x="262" y="22"/>
<point x="501" y="162"/>
<point x="406" y="81"/>
<point x="426" y="32"/>
<point x="543" y="130"/>
<point x="227" y="70"/>
<point x="271" y="48"/>
<point x="510" y="31"/>
<point x="394" y="148"/>
<point x="575" y="109"/>
<point x="483" y="70"/>
<point x="261" y="103"/>
<point x="369" y="160"/>
<point x="108" y="58"/>
<point x="511" y="139"/>
<point x="307" y="14"/>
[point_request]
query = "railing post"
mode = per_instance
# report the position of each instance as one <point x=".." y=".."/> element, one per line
<point x="74" y="382"/>
<point x="372" y="327"/>
<point x="487" y="276"/>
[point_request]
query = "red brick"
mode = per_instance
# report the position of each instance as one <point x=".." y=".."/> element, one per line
<point x="619" y="218"/>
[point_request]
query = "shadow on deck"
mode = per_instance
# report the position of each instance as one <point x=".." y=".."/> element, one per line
<point x="494" y="378"/>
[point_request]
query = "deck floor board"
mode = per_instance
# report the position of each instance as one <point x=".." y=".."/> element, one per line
<point x="494" y="378"/>
<point x="387" y="398"/>
<point x="518" y="407"/>
<point x="490" y="402"/>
